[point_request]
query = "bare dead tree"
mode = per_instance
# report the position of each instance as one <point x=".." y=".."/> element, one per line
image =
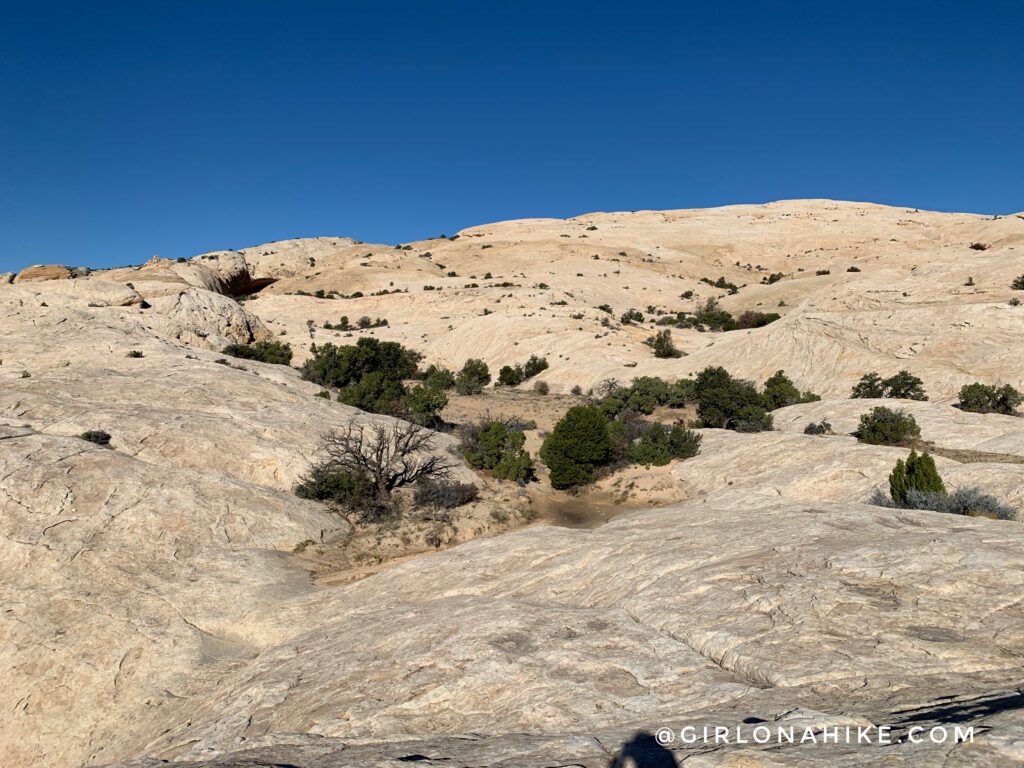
<point x="392" y="454"/>
<point x="607" y="388"/>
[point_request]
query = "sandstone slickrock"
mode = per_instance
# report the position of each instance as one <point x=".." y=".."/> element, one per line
<point x="153" y="608"/>
<point x="728" y="607"/>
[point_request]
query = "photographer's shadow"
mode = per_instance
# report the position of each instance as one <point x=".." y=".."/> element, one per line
<point x="643" y="751"/>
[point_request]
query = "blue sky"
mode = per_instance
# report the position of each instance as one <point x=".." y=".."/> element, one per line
<point x="134" y="128"/>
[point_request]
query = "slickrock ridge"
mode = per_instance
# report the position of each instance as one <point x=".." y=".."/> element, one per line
<point x="155" y="605"/>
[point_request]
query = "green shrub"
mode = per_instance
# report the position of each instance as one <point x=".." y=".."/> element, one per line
<point x="713" y="317"/>
<point x="473" y="377"/>
<point x="883" y="426"/>
<point x="659" y="444"/>
<point x="375" y="392"/>
<point x="903" y="385"/>
<point x="349" y="489"/>
<point x="662" y="344"/>
<point x="721" y="282"/>
<point x="917" y="473"/>
<point x="729" y="403"/>
<point x="818" y="428"/>
<point x="534" y="365"/>
<point x="497" y="446"/>
<point x="644" y="395"/>
<point x="578" y="444"/>
<point x="541" y="388"/>
<point x="438" y="377"/>
<point x="341" y="325"/>
<point x="779" y="391"/>
<point x="444" y="494"/>
<point x="334" y="366"/>
<point x="869" y="386"/>
<point x="984" y="398"/>
<point x="1018" y="283"/>
<point x="509" y="376"/>
<point x="274" y="352"/>
<point x="135" y="353"/>
<point x="631" y="316"/>
<point x="423" y="403"/>
<point x="755" y="319"/>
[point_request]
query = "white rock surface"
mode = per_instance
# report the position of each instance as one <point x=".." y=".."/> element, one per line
<point x="152" y="608"/>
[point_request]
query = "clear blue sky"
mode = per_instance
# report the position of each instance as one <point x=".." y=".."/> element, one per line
<point x="174" y="127"/>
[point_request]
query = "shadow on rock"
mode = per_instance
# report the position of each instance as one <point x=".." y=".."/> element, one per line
<point x="643" y="751"/>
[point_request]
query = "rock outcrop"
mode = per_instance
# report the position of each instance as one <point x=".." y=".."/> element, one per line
<point x="156" y="605"/>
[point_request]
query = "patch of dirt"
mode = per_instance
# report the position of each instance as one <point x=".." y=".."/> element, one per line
<point x="971" y="457"/>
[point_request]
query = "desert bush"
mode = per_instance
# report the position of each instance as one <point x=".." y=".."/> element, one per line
<point x="644" y="395"/>
<point x="755" y="319"/>
<point x="631" y="316"/>
<point x="341" y="325"/>
<point x="659" y="444"/>
<point x="341" y="366"/>
<point x="509" y="376"/>
<point x="438" y="377"/>
<point x="984" y="398"/>
<point x="423" y="403"/>
<point x="729" y="403"/>
<point x="721" y="282"/>
<point x="541" y="388"/>
<point x="576" y="446"/>
<point x="903" y="385"/>
<point x="869" y="386"/>
<point x="534" y="365"/>
<point x="818" y="428"/>
<point x="473" y="377"/>
<point x="661" y="344"/>
<point x="883" y="426"/>
<point x="576" y="390"/>
<point x="274" y="352"/>
<point x="444" y="494"/>
<point x="375" y="392"/>
<point x="351" y="490"/>
<point x="962" y="501"/>
<point x="713" y="317"/>
<point x="917" y="473"/>
<point x="97" y="436"/>
<point x="135" y="353"/>
<point x="497" y="446"/>
<point x="779" y="391"/>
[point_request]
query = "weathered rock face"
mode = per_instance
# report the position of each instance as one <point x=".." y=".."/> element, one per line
<point x="711" y="611"/>
<point x="124" y="585"/>
<point x="44" y="272"/>
<point x="153" y="608"/>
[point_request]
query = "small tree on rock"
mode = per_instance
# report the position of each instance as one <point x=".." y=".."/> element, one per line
<point x="917" y="473"/>
<point x="473" y="377"/>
